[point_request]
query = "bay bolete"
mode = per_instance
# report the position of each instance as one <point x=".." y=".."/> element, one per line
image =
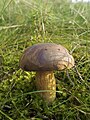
<point x="44" y="58"/>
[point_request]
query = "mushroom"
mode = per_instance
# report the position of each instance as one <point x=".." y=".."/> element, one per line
<point x="44" y="58"/>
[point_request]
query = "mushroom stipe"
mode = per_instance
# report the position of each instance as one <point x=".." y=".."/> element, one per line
<point x="44" y="58"/>
<point x="45" y="80"/>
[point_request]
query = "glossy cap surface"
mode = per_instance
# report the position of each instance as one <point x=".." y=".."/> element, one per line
<point x="46" y="57"/>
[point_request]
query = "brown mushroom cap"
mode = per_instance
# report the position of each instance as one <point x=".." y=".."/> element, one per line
<point x="46" y="57"/>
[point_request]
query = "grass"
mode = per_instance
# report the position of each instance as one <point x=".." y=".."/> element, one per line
<point x="26" y="23"/>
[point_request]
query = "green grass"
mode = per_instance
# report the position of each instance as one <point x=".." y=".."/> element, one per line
<point x="29" y="22"/>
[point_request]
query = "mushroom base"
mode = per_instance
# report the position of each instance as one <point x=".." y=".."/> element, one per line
<point x="45" y="80"/>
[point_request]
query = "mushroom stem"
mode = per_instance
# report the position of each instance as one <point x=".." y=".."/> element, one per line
<point x="45" y="80"/>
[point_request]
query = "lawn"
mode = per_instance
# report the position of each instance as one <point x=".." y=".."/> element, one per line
<point x="24" y="23"/>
